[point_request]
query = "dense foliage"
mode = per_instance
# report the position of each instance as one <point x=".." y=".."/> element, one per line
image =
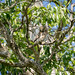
<point x="20" y="51"/>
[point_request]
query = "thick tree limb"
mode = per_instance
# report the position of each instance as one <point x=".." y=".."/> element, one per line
<point x="13" y="46"/>
<point x="25" y="61"/>
<point x="11" y="30"/>
<point x="38" y="52"/>
<point x="4" y="50"/>
<point x="36" y="67"/>
<point x="36" y="55"/>
<point x="4" y="54"/>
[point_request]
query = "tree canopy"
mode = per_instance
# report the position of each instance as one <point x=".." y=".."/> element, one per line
<point x="36" y="37"/>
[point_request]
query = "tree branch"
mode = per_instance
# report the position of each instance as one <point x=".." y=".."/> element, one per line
<point x="71" y="16"/>
<point x="68" y="39"/>
<point x="8" y="8"/>
<point x="52" y="53"/>
<point x="13" y="64"/>
<point x="13" y="46"/>
<point x="58" y="32"/>
<point x="68" y="2"/>
<point x="65" y="32"/>
<point x="5" y="32"/>
<point x="27" y="20"/>
<point x="60" y="4"/>
<point x="22" y="23"/>
<point x="4" y="54"/>
<point x="57" y="2"/>
<point x="49" y="58"/>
